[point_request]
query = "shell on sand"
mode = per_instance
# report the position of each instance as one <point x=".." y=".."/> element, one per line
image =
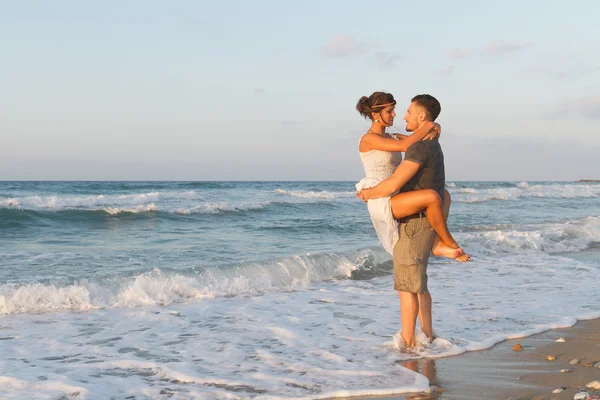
<point x="567" y="370"/>
<point x="582" y="396"/>
<point x="588" y="364"/>
<point x="560" y="340"/>
<point x="574" y="361"/>
<point x="550" y="357"/>
<point x="593" y="385"/>
<point x="517" y="347"/>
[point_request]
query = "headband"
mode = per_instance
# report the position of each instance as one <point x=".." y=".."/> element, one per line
<point x="384" y="105"/>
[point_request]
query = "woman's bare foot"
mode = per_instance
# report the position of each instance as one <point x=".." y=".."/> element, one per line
<point x="463" y="258"/>
<point x="443" y="250"/>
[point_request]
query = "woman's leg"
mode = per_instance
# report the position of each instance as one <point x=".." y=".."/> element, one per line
<point x="409" y="203"/>
<point x="439" y="248"/>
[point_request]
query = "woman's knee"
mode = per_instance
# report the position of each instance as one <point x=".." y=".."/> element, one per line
<point x="433" y="197"/>
<point x="447" y="197"/>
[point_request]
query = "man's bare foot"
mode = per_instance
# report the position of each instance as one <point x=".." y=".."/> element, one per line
<point x="443" y="250"/>
<point x="430" y="337"/>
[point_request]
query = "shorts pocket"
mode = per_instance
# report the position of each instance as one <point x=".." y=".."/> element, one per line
<point x="414" y="245"/>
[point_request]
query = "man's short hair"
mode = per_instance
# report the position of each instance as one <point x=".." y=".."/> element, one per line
<point x="429" y="103"/>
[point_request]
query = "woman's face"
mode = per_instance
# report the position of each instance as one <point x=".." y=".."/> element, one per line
<point x="386" y="116"/>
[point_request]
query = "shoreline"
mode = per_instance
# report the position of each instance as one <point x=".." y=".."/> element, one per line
<point x="502" y="373"/>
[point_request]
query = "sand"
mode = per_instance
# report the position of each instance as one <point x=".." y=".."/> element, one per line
<point x="501" y="373"/>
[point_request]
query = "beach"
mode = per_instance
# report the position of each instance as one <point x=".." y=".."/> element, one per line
<point x="502" y="373"/>
<point x="280" y="290"/>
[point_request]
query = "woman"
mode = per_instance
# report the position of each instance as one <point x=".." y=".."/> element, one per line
<point x="380" y="154"/>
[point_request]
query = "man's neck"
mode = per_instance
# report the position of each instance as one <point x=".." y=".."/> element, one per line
<point x="429" y="136"/>
<point x="421" y="125"/>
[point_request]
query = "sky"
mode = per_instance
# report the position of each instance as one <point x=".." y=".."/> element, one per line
<point x="266" y="89"/>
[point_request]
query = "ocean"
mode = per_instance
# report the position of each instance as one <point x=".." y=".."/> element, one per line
<point x="267" y="290"/>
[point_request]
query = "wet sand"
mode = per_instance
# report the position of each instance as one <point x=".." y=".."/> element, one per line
<point x="501" y="373"/>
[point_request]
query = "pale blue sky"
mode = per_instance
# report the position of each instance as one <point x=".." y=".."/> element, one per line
<point x="238" y="90"/>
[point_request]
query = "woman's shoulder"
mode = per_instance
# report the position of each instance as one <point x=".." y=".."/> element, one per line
<point x="363" y="143"/>
<point x="370" y="137"/>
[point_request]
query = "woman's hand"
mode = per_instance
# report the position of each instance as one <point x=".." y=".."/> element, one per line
<point x="434" y="132"/>
<point x="362" y="195"/>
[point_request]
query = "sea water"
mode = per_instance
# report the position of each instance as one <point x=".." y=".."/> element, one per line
<point x="267" y="290"/>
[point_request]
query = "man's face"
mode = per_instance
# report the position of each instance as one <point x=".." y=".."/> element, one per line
<point x="413" y="117"/>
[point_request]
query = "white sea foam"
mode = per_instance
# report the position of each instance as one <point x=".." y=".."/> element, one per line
<point x="112" y="204"/>
<point x="547" y="238"/>
<point x="93" y="201"/>
<point x="525" y="190"/>
<point x="39" y="298"/>
<point x="40" y="389"/>
<point x="9" y="202"/>
<point x="183" y="203"/>
<point x="321" y="195"/>
<point x="132" y="210"/>
<point x="213" y="208"/>
<point x="292" y="344"/>
<point x="160" y="288"/>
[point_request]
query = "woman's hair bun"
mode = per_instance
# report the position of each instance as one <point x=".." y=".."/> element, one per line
<point x="363" y="107"/>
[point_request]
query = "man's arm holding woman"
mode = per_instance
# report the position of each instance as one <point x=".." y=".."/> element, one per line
<point x="406" y="170"/>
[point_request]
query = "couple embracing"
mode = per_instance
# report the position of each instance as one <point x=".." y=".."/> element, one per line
<point x="407" y="200"/>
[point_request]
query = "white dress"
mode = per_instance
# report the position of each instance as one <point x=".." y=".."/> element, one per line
<point x="379" y="165"/>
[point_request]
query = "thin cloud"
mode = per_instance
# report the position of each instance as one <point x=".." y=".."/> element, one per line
<point x="484" y="158"/>
<point x="445" y="71"/>
<point x="567" y="73"/>
<point x="193" y="21"/>
<point x="492" y="48"/>
<point x="537" y="69"/>
<point x="342" y="46"/>
<point x="589" y="71"/>
<point x="587" y="107"/>
<point x="499" y="47"/>
<point x="258" y="90"/>
<point x="576" y="72"/>
<point x="552" y="71"/>
<point x="388" y="60"/>
<point x="457" y="54"/>
<point x="292" y="123"/>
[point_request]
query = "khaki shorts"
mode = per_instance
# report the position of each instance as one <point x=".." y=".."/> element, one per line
<point x="411" y="254"/>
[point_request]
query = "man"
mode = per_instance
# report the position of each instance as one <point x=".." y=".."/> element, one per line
<point x="422" y="168"/>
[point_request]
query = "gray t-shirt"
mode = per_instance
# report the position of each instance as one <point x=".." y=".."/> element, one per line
<point x="431" y="175"/>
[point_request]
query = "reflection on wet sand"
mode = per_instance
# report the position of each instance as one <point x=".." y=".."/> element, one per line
<point x="426" y="367"/>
